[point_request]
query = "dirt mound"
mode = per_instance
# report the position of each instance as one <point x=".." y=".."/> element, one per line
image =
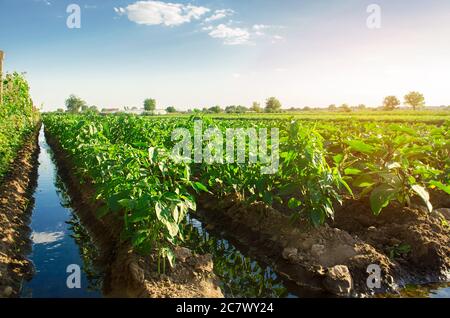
<point x="417" y="241"/>
<point x="136" y="276"/>
<point x="409" y="245"/>
<point x="16" y="200"/>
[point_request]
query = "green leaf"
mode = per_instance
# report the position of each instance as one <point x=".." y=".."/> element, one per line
<point x="363" y="181"/>
<point x="128" y="204"/>
<point x="288" y="189"/>
<point x="139" y="238"/>
<point x="317" y="217"/>
<point x="138" y="215"/>
<point x="168" y="253"/>
<point x="441" y="186"/>
<point x="424" y="195"/>
<point x="268" y="198"/>
<point x="113" y="203"/>
<point x="380" y="198"/>
<point x="338" y="158"/>
<point x="361" y="146"/>
<point x="294" y="203"/>
<point x="352" y="171"/>
<point x="198" y="186"/>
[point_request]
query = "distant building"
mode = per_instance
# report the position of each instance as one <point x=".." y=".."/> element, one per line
<point x="110" y="110"/>
<point x="135" y="111"/>
<point x="159" y="112"/>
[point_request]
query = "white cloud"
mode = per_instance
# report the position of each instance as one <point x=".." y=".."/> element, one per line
<point x="46" y="237"/>
<point x="260" y="27"/>
<point x="219" y="14"/>
<point x="230" y="35"/>
<point x="120" y="10"/>
<point x="158" y="12"/>
<point x="277" y="38"/>
<point x="44" y="1"/>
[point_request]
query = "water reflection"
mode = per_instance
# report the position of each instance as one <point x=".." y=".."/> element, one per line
<point x="54" y="248"/>
<point x="88" y="252"/>
<point x="240" y="276"/>
<point x="46" y="237"/>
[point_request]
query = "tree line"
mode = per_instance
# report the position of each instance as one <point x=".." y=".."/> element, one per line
<point x="414" y="99"/>
<point x="75" y="104"/>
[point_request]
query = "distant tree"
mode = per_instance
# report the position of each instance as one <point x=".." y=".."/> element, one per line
<point x="273" y="105"/>
<point x="230" y="109"/>
<point x="241" y="109"/>
<point x="361" y="106"/>
<point x="415" y="100"/>
<point x="74" y="104"/>
<point x="306" y="108"/>
<point x="215" y="109"/>
<point x="256" y="107"/>
<point x="93" y="109"/>
<point x="171" y="109"/>
<point x="332" y="107"/>
<point x="390" y="103"/>
<point x="345" y="108"/>
<point x="60" y="110"/>
<point x="150" y="104"/>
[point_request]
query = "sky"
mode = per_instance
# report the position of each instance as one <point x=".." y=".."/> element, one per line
<point x="201" y="53"/>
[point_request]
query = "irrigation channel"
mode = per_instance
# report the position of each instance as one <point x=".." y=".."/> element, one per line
<point x="60" y="240"/>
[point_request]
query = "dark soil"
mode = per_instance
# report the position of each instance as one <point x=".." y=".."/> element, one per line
<point x="16" y="201"/>
<point x="409" y="244"/>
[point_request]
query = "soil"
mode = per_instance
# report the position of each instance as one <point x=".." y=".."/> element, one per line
<point x="16" y="201"/>
<point x="409" y="244"/>
<point x="128" y="274"/>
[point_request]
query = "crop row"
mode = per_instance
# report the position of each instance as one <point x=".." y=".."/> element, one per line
<point x="17" y="119"/>
<point x="128" y="160"/>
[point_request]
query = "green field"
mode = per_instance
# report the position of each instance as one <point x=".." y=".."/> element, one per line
<point x="128" y="159"/>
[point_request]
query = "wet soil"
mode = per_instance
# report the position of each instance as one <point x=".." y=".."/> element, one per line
<point x="410" y="245"/>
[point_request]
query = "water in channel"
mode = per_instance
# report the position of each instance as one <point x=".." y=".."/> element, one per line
<point x="60" y="240"/>
<point x="54" y="246"/>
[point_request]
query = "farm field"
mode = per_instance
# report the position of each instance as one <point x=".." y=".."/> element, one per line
<point x="374" y="191"/>
<point x="425" y="116"/>
<point x="389" y="172"/>
<point x="224" y="156"/>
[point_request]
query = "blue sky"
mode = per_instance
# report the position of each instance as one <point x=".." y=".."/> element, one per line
<point x="203" y="53"/>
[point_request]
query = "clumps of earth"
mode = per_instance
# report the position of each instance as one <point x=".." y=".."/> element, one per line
<point x="15" y="202"/>
<point x="191" y="277"/>
<point x="408" y="245"/>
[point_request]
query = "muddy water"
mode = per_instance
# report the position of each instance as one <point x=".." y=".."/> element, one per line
<point x="60" y="240"/>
